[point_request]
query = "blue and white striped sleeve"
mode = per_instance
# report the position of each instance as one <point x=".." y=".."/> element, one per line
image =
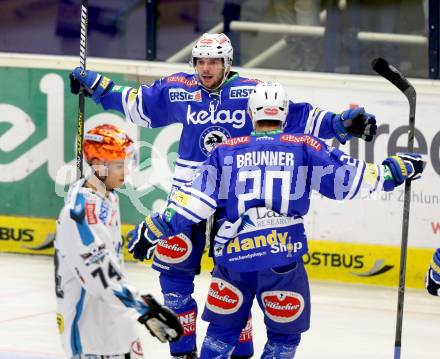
<point x="146" y="106"/>
<point x="304" y="118"/>
<point x="338" y="176"/>
<point x="195" y="201"/>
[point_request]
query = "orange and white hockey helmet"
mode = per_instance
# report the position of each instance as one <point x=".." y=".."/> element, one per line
<point x="107" y="143"/>
<point x="214" y="46"/>
<point x="268" y="101"/>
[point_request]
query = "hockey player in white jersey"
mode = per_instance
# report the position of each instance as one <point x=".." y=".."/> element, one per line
<point x="96" y="308"/>
<point x="210" y="104"/>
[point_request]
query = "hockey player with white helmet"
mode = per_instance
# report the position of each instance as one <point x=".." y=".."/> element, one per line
<point x="96" y="308"/>
<point x="211" y="104"/>
<point x="260" y="186"/>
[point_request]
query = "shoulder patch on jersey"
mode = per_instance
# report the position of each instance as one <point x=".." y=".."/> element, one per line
<point x="304" y="139"/>
<point x="180" y="198"/>
<point x="181" y="95"/>
<point x="90" y="213"/>
<point x="132" y="94"/>
<point x="236" y="141"/>
<point x="239" y="92"/>
<point x="181" y="80"/>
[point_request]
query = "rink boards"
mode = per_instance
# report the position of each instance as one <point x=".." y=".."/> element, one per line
<point x="356" y="241"/>
<point x="327" y="260"/>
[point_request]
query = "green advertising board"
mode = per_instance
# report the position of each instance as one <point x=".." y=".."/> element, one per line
<point x="38" y="117"/>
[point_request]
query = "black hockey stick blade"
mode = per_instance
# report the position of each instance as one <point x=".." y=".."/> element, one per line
<point x="383" y="68"/>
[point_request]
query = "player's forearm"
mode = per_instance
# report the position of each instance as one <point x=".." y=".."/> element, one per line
<point x="114" y="99"/>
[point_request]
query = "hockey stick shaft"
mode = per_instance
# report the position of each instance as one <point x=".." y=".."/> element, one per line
<point x="82" y="62"/>
<point x="397" y="79"/>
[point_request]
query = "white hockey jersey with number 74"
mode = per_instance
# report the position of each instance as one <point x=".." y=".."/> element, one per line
<point x="96" y="310"/>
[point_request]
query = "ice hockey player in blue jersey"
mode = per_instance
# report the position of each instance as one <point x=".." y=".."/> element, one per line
<point x="211" y="106"/>
<point x="260" y="186"/>
<point x="432" y="282"/>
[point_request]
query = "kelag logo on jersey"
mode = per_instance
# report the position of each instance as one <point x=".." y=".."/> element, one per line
<point x="181" y="95"/>
<point x="237" y="118"/>
<point x="239" y="92"/>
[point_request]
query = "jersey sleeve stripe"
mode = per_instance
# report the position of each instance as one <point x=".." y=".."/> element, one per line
<point x="132" y="113"/>
<point x="125" y="94"/>
<point x="318" y="123"/>
<point x="140" y="111"/>
<point x="75" y="338"/>
<point x="187" y="166"/>
<point x="200" y="196"/>
<point x="380" y="178"/>
<point x="187" y="162"/>
<point x="184" y="212"/>
<point x="357" y="180"/>
<point x="309" y="120"/>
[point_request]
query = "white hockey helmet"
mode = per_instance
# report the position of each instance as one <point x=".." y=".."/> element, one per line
<point x="213" y="46"/>
<point x="268" y="101"/>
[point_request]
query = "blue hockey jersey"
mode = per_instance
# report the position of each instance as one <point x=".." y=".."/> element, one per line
<point x="208" y="118"/>
<point x="275" y="171"/>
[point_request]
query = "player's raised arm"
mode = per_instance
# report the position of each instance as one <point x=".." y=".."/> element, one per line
<point x="304" y="118"/>
<point x="145" y="106"/>
<point x="338" y="176"/>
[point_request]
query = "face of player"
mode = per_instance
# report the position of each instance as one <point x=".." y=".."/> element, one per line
<point x="210" y="72"/>
<point x="111" y="173"/>
<point x="115" y="175"/>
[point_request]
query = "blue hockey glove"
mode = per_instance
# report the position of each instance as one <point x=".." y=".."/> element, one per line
<point x="146" y="235"/>
<point x="405" y="166"/>
<point x="354" y="122"/>
<point x="433" y="276"/>
<point x="95" y="84"/>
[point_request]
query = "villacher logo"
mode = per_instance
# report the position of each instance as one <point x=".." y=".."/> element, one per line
<point x="174" y="249"/>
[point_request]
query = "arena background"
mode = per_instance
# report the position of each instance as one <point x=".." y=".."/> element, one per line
<point x="349" y="242"/>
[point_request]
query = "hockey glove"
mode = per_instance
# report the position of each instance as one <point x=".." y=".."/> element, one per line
<point x="95" y="84"/>
<point x="405" y="166"/>
<point x="354" y="122"/>
<point x="161" y="322"/>
<point x="433" y="276"/>
<point x="146" y="235"/>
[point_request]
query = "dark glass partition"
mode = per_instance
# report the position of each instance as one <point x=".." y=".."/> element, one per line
<point x="340" y="36"/>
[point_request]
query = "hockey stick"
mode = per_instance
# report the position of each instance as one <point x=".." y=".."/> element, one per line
<point x="82" y="64"/>
<point x="388" y="71"/>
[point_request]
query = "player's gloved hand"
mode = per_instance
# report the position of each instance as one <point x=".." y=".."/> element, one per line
<point x="354" y="122"/>
<point x="161" y="322"/>
<point x="95" y="84"/>
<point x="405" y="166"/>
<point x="433" y="276"/>
<point x="146" y="235"/>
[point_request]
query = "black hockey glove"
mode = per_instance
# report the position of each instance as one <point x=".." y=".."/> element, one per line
<point x="161" y="321"/>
